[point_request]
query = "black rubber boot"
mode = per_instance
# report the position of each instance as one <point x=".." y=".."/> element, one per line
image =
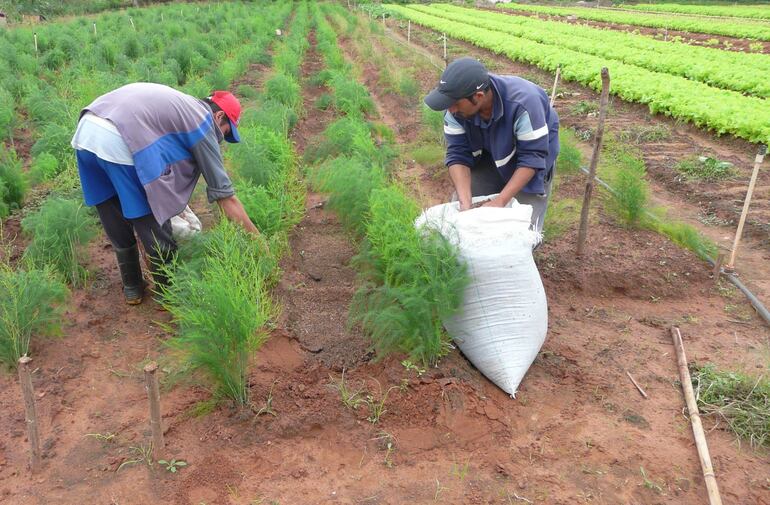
<point x="131" y="274"/>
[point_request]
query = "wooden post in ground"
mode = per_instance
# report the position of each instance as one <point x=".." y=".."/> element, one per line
<point x="555" y="83"/>
<point x="718" y="267"/>
<point x="132" y="23"/>
<point x="583" y="232"/>
<point x="445" y="62"/>
<point x="757" y="162"/>
<point x="153" y="393"/>
<point x="697" y="426"/>
<point x="95" y="30"/>
<point x="35" y="36"/>
<point x="409" y="31"/>
<point x="30" y="413"/>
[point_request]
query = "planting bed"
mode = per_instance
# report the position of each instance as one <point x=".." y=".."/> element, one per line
<point x="578" y="432"/>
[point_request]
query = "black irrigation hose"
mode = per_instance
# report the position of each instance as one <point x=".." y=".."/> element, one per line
<point x="761" y="310"/>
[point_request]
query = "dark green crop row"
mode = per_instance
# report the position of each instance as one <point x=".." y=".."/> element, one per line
<point x="409" y="280"/>
<point x="220" y="291"/>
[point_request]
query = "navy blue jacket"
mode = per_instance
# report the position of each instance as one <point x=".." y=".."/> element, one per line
<point x="522" y="132"/>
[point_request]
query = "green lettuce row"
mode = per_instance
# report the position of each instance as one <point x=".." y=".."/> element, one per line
<point x="722" y="111"/>
<point x="734" y="11"/>
<point x="738" y="29"/>
<point x="746" y="73"/>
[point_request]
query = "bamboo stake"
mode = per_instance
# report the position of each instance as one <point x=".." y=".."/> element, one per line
<point x="383" y="20"/>
<point x="35" y="44"/>
<point x="555" y="82"/>
<point x="697" y="427"/>
<point x="153" y="392"/>
<point x="409" y="31"/>
<point x="638" y="387"/>
<point x="94" y="29"/>
<point x="132" y="23"/>
<point x="445" y="49"/>
<point x="757" y="162"/>
<point x="583" y="232"/>
<point x="28" y="392"/>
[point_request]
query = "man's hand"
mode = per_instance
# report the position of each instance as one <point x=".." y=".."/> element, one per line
<point x="495" y="202"/>
<point x="461" y="177"/>
<point x="233" y="209"/>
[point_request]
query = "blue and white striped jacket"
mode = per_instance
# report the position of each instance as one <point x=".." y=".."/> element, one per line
<point x="522" y="132"/>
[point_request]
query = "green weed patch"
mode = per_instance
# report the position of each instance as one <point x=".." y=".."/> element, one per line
<point x="737" y="399"/>
<point x="705" y="168"/>
<point x="30" y="307"/>
<point x="60" y="230"/>
<point x="12" y="185"/>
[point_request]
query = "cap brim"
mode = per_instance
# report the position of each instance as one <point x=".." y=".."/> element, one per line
<point x="437" y="100"/>
<point x="233" y="137"/>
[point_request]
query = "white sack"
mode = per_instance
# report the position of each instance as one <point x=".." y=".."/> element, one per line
<point x="504" y="318"/>
<point x="185" y="225"/>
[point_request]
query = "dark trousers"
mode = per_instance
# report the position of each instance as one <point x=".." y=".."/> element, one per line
<point x="486" y="180"/>
<point x="156" y="239"/>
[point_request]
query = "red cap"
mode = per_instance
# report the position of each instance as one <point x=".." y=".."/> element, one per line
<point x="232" y="109"/>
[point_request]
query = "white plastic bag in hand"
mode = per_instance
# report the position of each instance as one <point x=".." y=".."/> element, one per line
<point x="185" y="225"/>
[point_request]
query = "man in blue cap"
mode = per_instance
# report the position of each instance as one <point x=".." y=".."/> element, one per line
<point x="140" y="151"/>
<point x="502" y="136"/>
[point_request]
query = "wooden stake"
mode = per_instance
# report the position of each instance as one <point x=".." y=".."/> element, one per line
<point x="637" y="385"/>
<point x="383" y="20"/>
<point x="132" y="23"/>
<point x="35" y="44"/>
<point x="697" y="427"/>
<point x="555" y="82"/>
<point x="94" y="29"/>
<point x="718" y="267"/>
<point x="409" y="32"/>
<point x="757" y="162"/>
<point x="28" y="392"/>
<point x="445" y="49"/>
<point x="583" y="232"/>
<point x="153" y="393"/>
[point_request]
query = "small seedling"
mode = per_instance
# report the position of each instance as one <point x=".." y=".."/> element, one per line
<point x="650" y="484"/>
<point x="102" y="437"/>
<point x="460" y="470"/>
<point x="439" y="489"/>
<point x="172" y="465"/>
<point x="268" y="407"/>
<point x="377" y="407"/>
<point x="389" y="442"/>
<point x="412" y="367"/>
<point x="350" y="399"/>
<point x="141" y="454"/>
